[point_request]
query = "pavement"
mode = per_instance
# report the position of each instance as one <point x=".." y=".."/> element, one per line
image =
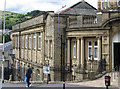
<point x="101" y="81"/>
<point x="94" y="84"/>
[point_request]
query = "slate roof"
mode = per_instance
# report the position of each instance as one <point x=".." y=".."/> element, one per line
<point x="80" y="8"/>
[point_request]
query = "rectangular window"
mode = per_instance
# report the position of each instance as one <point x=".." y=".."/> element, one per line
<point x="101" y="4"/>
<point x="74" y="49"/>
<point x="29" y="41"/>
<point x="51" y="49"/>
<point x="105" y="5"/>
<point x="25" y="41"/>
<point x="34" y="41"/>
<point x="89" y="50"/>
<point x="95" y="50"/>
<point x="108" y="3"/>
<point x="22" y="41"/>
<point x="39" y="40"/>
<point x="16" y="42"/>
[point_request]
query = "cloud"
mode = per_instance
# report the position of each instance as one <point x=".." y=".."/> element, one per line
<point x="24" y="6"/>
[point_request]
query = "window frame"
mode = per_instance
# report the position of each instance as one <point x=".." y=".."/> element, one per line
<point x="102" y="4"/>
<point x="26" y="41"/>
<point x="16" y="41"/>
<point x="39" y="42"/>
<point x="30" y="41"/>
<point x="95" y="58"/>
<point x="89" y="46"/>
<point x="34" y="41"/>
<point x="74" y="49"/>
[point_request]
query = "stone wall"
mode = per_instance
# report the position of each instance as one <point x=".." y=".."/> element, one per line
<point x="29" y="23"/>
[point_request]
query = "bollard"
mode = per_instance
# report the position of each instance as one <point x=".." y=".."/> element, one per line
<point x="107" y="81"/>
<point x="63" y="85"/>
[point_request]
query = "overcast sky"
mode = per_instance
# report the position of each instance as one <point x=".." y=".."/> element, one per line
<point x="24" y="6"/>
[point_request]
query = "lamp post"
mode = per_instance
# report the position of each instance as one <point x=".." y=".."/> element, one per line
<point x="3" y="44"/>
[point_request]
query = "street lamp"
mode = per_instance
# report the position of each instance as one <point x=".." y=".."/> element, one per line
<point x="3" y="44"/>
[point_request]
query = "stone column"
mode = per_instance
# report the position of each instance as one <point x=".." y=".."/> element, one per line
<point x="68" y="51"/>
<point x="99" y="48"/>
<point x="82" y="52"/>
<point x="78" y="51"/>
<point x="48" y="49"/>
<point x="43" y="46"/>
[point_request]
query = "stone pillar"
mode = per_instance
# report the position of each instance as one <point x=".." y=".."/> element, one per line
<point x="78" y="51"/>
<point x="68" y="52"/>
<point x="19" y="44"/>
<point x="31" y="47"/>
<point x="43" y="47"/>
<point x="99" y="48"/>
<point x="48" y="50"/>
<point x="82" y="52"/>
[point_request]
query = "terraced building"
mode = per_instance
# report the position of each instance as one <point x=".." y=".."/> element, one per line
<point x="77" y="43"/>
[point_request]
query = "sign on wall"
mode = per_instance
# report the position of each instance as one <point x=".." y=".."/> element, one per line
<point x="46" y="69"/>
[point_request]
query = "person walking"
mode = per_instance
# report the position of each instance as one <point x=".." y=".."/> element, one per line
<point x="28" y="75"/>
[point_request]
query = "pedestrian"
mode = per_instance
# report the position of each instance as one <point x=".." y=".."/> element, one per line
<point x="28" y="75"/>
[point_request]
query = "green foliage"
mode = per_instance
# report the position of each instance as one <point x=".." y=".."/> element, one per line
<point x="7" y="38"/>
<point x="14" y="18"/>
<point x="36" y="13"/>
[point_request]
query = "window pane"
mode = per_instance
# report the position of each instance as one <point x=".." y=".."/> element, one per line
<point x="95" y="43"/>
<point x="26" y="41"/>
<point x="90" y="52"/>
<point x="95" y="52"/>
<point x="29" y="41"/>
<point x="22" y="41"/>
<point x="74" y="50"/>
<point x="34" y="41"/>
<point x="89" y="43"/>
<point x="39" y="40"/>
<point x="16" y="41"/>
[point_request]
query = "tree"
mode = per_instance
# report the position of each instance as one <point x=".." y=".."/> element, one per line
<point x="7" y="38"/>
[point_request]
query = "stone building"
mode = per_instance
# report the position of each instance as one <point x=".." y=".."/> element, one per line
<point x="79" y="42"/>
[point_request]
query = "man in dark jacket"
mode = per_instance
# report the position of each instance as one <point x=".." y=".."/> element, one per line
<point x="28" y="75"/>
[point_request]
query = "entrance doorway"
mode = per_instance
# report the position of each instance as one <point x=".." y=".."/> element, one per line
<point x="116" y="55"/>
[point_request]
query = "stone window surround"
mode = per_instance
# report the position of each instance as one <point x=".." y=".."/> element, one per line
<point x="34" y="41"/>
<point x="22" y="41"/>
<point x="29" y="41"/>
<point x="92" y="48"/>
<point x="39" y="40"/>
<point x="74" y="49"/>
<point x="26" y="41"/>
<point x="15" y="41"/>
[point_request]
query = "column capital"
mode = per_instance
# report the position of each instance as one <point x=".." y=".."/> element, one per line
<point x="98" y="37"/>
<point x="67" y="38"/>
<point x="79" y="37"/>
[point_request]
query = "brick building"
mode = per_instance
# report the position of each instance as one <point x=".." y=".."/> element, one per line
<point x="81" y="40"/>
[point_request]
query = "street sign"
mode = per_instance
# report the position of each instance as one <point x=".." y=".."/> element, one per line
<point x="46" y="69"/>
